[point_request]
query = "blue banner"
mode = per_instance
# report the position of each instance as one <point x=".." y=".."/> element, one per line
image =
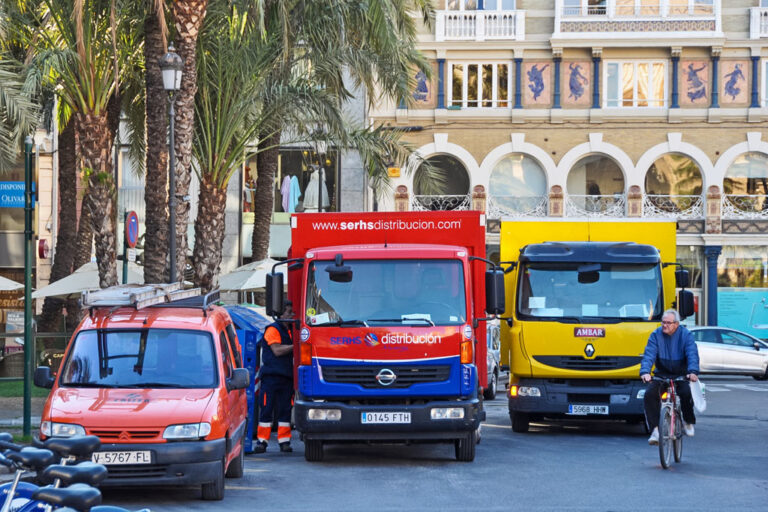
<point x="744" y="309"/>
<point x="11" y="194"/>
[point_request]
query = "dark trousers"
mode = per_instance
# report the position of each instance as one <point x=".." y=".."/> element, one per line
<point x="652" y="402"/>
<point x="275" y="398"/>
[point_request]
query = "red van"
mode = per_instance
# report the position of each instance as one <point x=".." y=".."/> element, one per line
<point x="156" y="373"/>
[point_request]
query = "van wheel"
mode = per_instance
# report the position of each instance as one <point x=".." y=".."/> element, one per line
<point x="465" y="447"/>
<point x="237" y="466"/>
<point x="490" y="392"/>
<point x="313" y="450"/>
<point x="214" y="491"/>
<point x="520" y="421"/>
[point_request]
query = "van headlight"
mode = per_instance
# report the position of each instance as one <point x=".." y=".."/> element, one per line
<point x="52" y="429"/>
<point x="187" y="431"/>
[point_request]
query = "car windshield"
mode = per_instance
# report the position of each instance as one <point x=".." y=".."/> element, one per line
<point x="141" y="358"/>
<point x="578" y="292"/>
<point x="387" y="292"/>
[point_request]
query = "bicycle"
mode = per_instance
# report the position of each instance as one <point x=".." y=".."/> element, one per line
<point x="670" y="423"/>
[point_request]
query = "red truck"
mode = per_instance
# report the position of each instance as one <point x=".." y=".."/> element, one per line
<point x="389" y="334"/>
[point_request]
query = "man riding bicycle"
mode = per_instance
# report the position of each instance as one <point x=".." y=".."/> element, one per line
<point x="673" y="351"/>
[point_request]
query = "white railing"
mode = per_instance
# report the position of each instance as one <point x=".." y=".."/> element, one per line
<point x="745" y="206"/>
<point x="516" y="206"/>
<point x="641" y="9"/>
<point x="758" y="22"/>
<point x="480" y="25"/>
<point x="673" y="207"/>
<point x="595" y="206"/>
<point x="441" y="202"/>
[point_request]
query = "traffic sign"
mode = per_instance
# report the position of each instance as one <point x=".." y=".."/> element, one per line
<point x="131" y="229"/>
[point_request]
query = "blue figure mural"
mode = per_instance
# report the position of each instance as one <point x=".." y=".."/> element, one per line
<point x="733" y="79"/>
<point x="422" y="90"/>
<point x="536" y="80"/>
<point x="696" y="85"/>
<point x="576" y="81"/>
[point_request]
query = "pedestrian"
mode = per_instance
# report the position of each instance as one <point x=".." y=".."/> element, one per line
<point x="275" y="393"/>
<point x="672" y="349"/>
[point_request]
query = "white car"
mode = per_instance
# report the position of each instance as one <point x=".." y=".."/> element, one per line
<point x="493" y="337"/>
<point x="731" y="352"/>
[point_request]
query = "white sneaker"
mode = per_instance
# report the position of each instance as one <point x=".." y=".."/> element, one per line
<point x="688" y="429"/>
<point x="654" y="439"/>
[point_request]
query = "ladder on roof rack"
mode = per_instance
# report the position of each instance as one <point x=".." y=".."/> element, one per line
<point x="138" y="296"/>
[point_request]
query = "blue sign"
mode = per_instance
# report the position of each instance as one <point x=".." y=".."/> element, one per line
<point x="744" y="309"/>
<point x="131" y="229"/>
<point x="11" y="194"/>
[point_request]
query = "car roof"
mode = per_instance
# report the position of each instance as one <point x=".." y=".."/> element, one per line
<point x="176" y="316"/>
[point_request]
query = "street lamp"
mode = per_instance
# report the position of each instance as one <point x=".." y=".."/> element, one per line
<point x="321" y="148"/>
<point x="171" y="66"/>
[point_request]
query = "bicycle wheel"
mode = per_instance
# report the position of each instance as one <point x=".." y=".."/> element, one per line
<point x="665" y="440"/>
<point x="678" y="436"/>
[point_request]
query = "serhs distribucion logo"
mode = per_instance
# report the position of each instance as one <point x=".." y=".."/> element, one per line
<point x="371" y="340"/>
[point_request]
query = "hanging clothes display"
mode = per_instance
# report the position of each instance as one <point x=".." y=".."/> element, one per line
<point x="291" y="192"/>
<point x="311" y="193"/>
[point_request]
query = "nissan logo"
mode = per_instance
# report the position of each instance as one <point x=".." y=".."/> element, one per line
<point x="386" y="377"/>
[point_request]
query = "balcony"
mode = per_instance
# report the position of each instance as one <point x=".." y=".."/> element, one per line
<point x="675" y="207"/>
<point x="624" y="22"/>
<point x="613" y="206"/>
<point x="516" y="206"/>
<point x="441" y="202"/>
<point x="480" y="26"/>
<point x="758" y="22"/>
<point x="745" y="207"/>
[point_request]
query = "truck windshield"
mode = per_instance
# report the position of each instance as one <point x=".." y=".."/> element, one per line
<point x="148" y="358"/>
<point x="387" y="292"/>
<point x="594" y="292"/>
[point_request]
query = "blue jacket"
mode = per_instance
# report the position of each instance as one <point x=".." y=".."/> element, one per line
<point x="673" y="356"/>
<point x="272" y="364"/>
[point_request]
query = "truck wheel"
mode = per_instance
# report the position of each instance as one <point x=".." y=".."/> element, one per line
<point x="465" y="447"/>
<point x="490" y="392"/>
<point x="214" y="491"/>
<point x="519" y="421"/>
<point x="313" y="450"/>
<point x="237" y="466"/>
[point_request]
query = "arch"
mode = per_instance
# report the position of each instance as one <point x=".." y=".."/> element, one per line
<point x="753" y="144"/>
<point x="518" y="145"/>
<point x="675" y="144"/>
<point x="594" y="146"/>
<point x="440" y="146"/>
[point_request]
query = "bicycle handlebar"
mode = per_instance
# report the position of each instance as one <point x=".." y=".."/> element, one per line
<point x="676" y="379"/>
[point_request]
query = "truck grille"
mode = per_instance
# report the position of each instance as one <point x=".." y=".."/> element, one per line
<point x="596" y="364"/>
<point x="366" y="375"/>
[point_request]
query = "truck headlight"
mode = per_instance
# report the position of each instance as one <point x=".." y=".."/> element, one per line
<point x="641" y="394"/>
<point x="187" y="431"/>
<point x="52" y="429"/>
<point x="528" y="391"/>
<point x="447" y="413"/>
<point x="324" y="414"/>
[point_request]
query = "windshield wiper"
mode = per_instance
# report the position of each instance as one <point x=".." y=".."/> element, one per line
<point x="151" y="385"/>
<point x="344" y="323"/>
<point x="403" y="320"/>
<point x="398" y="320"/>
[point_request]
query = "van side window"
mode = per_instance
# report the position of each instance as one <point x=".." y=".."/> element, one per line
<point x="225" y="355"/>
<point x="233" y="345"/>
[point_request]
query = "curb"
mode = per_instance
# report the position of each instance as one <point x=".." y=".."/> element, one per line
<point x="18" y="422"/>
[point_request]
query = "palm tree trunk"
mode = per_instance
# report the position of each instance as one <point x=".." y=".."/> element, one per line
<point x="209" y="233"/>
<point x="266" y="168"/>
<point x="67" y="234"/>
<point x="188" y="16"/>
<point x="155" y="193"/>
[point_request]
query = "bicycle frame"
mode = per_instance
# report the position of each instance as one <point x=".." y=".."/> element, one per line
<point x="670" y="423"/>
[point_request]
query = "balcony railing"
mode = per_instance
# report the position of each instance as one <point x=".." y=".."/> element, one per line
<point x="480" y="25"/>
<point x="449" y="202"/>
<point x="517" y="206"/>
<point x="754" y="207"/>
<point x="595" y="206"/>
<point x="673" y="207"/>
<point x="758" y="22"/>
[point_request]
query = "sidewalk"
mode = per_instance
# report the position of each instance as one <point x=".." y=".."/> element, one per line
<point x="12" y="412"/>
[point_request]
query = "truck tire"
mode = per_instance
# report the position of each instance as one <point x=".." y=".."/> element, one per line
<point x="520" y="421"/>
<point x="465" y="447"/>
<point x="214" y="491"/>
<point x="313" y="450"/>
<point x="489" y="393"/>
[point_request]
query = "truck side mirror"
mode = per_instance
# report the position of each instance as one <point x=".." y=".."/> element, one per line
<point x="682" y="278"/>
<point x="494" y="292"/>
<point x="43" y="377"/>
<point x="685" y="303"/>
<point x="274" y="299"/>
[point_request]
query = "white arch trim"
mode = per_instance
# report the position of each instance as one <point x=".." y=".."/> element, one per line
<point x="674" y="144"/>
<point x="594" y="146"/>
<point x="752" y="144"/>
<point x="439" y="146"/>
<point x="518" y="145"/>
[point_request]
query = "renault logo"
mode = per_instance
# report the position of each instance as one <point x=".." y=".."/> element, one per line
<point x="589" y="350"/>
<point x="386" y="377"/>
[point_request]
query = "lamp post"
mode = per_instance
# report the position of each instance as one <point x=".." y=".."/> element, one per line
<point x="171" y="66"/>
<point x="29" y="241"/>
<point x="321" y="148"/>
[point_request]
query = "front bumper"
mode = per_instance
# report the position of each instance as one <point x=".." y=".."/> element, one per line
<point x="177" y="463"/>
<point x="421" y="428"/>
<point x="557" y="395"/>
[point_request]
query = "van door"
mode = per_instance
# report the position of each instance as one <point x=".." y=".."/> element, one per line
<point x="235" y="411"/>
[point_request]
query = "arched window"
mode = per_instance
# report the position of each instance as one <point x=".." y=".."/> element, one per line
<point x="595" y="188"/>
<point x="517" y="186"/>
<point x="441" y="183"/>
<point x="746" y="187"/>
<point x="673" y="186"/>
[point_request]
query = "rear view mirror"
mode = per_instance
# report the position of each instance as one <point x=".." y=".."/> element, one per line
<point x="685" y="303"/>
<point x="274" y="299"/>
<point x="757" y="346"/>
<point x="494" y="292"/>
<point x="682" y="278"/>
<point x="339" y="273"/>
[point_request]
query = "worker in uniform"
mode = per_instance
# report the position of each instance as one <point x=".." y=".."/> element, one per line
<point x="275" y="393"/>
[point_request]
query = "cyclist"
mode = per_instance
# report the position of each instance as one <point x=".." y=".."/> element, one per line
<point x="673" y="351"/>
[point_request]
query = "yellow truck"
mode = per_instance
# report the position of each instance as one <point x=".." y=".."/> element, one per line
<point x="582" y="298"/>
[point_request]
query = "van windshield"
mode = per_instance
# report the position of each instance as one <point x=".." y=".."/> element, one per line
<point x="387" y="292"/>
<point x="141" y="359"/>
<point x="579" y="292"/>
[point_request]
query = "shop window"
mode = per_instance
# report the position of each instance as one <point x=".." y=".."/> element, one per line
<point x="742" y="266"/>
<point x="517" y="183"/>
<point x="673" y="175"/>
<point x="746" y="181"/>
<point x="691" y="257"/>
<point x="636" y="84"/>
<point x="484" y="85"/>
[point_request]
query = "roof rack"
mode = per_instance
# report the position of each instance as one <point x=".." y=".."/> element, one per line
<point x="137" y="296"/>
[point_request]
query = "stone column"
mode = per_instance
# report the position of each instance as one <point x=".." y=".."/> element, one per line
<point x="597" y="54"/>
<point x="711" y="253"/>
<point x="715" y="87"/>
<point x="556" y="206"/>
<point x="401" y="198"/>
<point x="557" y="56"/>
<point x="634" y="202"/>
<point x="675" y="64"/>
<point x="713" y="222"/>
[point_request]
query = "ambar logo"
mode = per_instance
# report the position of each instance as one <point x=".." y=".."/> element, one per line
<point x="589" y="332"/>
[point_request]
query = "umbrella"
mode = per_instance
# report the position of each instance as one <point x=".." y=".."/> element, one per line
<point x="85" y="278"/>
<point x="248" y="277"/>
<point x="6" y="285"/>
